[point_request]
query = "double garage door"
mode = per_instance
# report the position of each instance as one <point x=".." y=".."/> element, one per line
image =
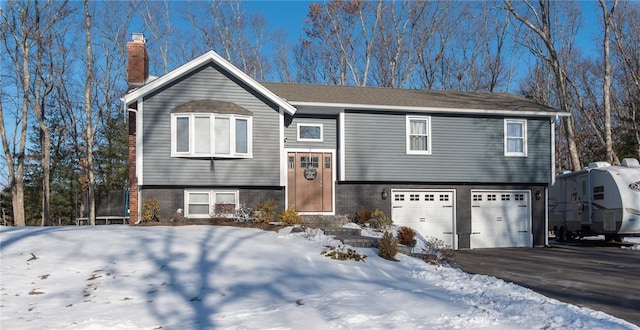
<point x="498" y="218"/>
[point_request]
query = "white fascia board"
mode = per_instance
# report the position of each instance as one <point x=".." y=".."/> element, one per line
<point x="194" y="64"/>
<point x="428" y="109"/>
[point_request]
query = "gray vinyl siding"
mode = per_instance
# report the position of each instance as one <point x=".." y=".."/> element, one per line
<point x="464" y="149"/>
<point x="159" y="168"/>
<point x="329" y="136"/>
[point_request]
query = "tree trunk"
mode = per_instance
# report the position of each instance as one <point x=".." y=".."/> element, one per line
<point x="606" y="88"/>
<point x="88" y="113"/>
<point x="39" y="110"/>
<point x="16" y="184"/>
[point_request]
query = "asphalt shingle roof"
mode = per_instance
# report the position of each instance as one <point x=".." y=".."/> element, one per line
<point x="393" y="97"/>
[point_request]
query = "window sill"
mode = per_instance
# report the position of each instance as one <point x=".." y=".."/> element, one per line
<point x="212" y="156"/>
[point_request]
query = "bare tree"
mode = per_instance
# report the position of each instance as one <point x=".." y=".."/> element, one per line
<point x="540" y="19"/>
<point x="394" y="58"/>
<point x="341" y="35"/>
<point x="238" y="36"/>
<point x="157" y="21"/>
<point x="88" y="115"/>
<point x="31" y="27"/>
<point x="607" y="16"/>
<point x="109" y="39"/>
<point x="281" y="57"/>
<point x="18" y="47"/>
<point x="626" y="33"/>
<point x="51" y="14"/>
<point x="479" y="49"/>
<point x="433" y="36"/>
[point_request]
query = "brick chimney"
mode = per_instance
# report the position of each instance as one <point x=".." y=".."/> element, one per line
<point x="138" y="61"/>
<point x="137" y="75"/>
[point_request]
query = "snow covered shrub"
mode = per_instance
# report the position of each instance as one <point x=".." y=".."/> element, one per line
<point x="406" y="236"/>
<point x="388" y="246"/>
<point x="342" y="253"/>
<point x="266" y="212"/>
<point x="437" y="253"/>
<point x="151" y="210"/>
<point x="290" y="217"/>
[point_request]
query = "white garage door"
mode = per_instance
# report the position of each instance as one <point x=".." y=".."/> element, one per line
<point x="429" y="212"/>
<point x="500" y="219"/>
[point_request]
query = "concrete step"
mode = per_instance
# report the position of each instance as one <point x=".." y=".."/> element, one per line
<point x="352" y="236"/>
<point x="342" y="232"/>
<point x="360" y="241"/>
<point x="324" y="221"/>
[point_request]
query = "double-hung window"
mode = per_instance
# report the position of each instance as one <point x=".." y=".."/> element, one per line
<point x="418" y="130"/>
<point x="211" y="135"/>
<point x="515" y="137"/>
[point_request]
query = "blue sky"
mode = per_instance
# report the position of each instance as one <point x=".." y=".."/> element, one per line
<point x="288" y="15"/>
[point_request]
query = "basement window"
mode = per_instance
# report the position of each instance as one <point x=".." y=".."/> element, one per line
<point x="208" y="203"/>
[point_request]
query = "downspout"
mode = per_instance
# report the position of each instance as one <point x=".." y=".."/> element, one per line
<point x="546" y="216"/>
<point x="552" y="182"/>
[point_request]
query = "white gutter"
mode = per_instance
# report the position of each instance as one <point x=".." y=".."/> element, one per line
<point x="354" y="106"/>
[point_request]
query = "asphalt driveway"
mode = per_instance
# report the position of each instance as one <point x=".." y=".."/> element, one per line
<point x="603" y="278"/>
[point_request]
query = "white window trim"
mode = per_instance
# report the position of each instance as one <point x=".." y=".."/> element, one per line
<point x="321" y="139"/>
<point x="232" y="135"/>
<point x="212" y="201"/>
<point x="524" y="138"/>
<point x="408" y="135"/>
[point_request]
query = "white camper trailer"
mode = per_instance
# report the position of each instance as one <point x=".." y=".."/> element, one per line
<point x="599" y="200"/>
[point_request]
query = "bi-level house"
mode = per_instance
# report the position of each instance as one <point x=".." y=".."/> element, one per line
<point x="471" y="169"/>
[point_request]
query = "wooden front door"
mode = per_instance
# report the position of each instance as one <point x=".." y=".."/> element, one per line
<point x="310" y="181"/>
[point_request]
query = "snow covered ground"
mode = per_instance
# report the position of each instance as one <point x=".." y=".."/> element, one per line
<point x="203" y="277"/>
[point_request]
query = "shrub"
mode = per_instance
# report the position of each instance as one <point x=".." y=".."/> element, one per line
<point x="342" y="253"/>
<point x="266" y="212"/>
<point x="374" y="218"/>
<point x="379" y="220"/>
<point x="290" y="217"/>
<point x="388" y="247"/>
<point x="363" y="215"/>
<point x="151" y="210"/>
<point x="436" y="253"/>
<point x="406" y="235"/>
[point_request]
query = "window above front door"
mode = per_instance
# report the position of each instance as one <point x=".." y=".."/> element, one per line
<point x="310" y="132"/>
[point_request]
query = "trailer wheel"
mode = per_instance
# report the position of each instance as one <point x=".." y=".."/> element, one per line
<point x="561" y="234"/>
<point x="612" y="238"/>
